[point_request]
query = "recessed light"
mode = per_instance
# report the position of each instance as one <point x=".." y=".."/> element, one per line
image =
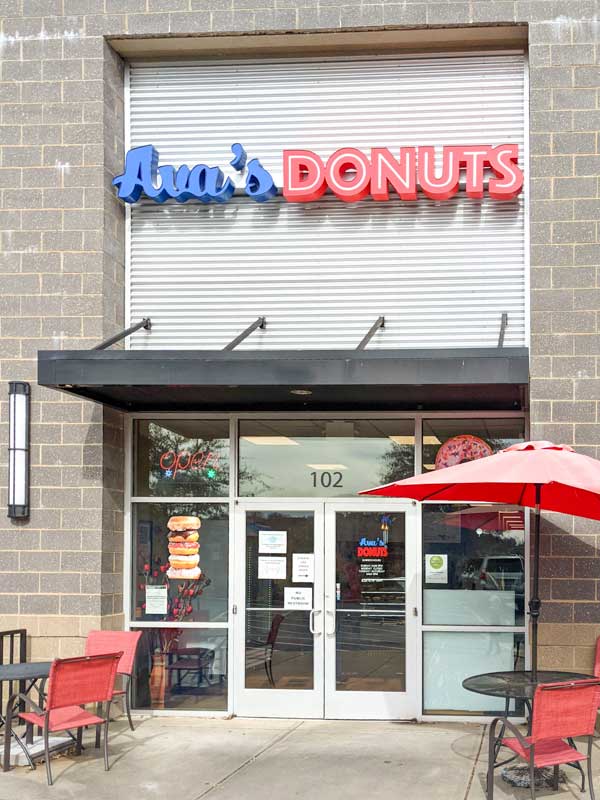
<point x="429" y="466"/>
<point x="327" y="466"/>
<point x="301" y="392"/>
<point x="402" y="439"/>
<point x="270" y="440"/>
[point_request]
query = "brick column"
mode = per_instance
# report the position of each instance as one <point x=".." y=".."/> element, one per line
<point x="62" y="287"/>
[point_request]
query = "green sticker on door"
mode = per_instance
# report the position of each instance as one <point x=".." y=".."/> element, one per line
<point x="436" y="568"/>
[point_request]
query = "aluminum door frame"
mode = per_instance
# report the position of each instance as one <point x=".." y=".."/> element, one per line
<point x="283" y="703"/>
<point x="375" y="705"/>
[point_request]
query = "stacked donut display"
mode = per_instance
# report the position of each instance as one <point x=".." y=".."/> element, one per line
<point x="184" y="548"/>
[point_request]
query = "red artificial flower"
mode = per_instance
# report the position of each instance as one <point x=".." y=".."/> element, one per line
<point x="155" y="573"/>
<point x="146" y="567"/>
<point x="189" y="610"/>
<point x="143" y="605"/>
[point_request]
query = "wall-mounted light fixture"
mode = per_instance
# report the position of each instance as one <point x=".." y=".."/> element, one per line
<point x="19" y="395"/>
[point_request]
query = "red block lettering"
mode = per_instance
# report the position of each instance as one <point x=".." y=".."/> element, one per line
<point x="509" y="178"/>
<point x="303" y="176"/>
<point x="348" y="174"/>
<point x="446" y="185"/>
<point x="400" y="174"/>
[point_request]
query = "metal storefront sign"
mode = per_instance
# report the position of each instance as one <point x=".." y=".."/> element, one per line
<point x="351" y="175"/>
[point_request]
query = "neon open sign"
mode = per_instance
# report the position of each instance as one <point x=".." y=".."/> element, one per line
<point x="350" y="174"/>
<point x="172" y="462"/>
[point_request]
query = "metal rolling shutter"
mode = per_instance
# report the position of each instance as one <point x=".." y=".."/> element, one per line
<point x="442" y="274"/>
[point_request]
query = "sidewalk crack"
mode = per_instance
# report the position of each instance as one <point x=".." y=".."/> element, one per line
<point x="249" y="761"/>
<point x="472" y="775"/>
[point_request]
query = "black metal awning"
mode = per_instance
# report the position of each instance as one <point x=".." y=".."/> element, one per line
<point x="280" y="380"/>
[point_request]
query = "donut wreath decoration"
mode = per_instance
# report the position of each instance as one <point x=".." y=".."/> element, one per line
<point x="458" y="449"/>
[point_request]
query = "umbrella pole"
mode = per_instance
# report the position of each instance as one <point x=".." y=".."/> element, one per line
<point x="535" y="603"/>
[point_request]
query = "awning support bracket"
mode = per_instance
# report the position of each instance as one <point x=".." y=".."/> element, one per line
<point x="261" y="323"/>
<point x="145" y="323"/>
<point x="379" y="323"/>
<point x="503" y="327"/>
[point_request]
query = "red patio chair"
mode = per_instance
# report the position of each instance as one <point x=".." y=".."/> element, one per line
<point x="597" y="659"/>
<point x="100" y="642"/>
<point x="561" y="711"/>
<point x="73" y="683"/>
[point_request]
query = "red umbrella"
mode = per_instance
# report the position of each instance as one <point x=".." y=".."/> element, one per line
<point x="535" y="474"/>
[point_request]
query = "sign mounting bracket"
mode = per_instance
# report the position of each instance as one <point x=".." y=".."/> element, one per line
<point x="261" y="323"/>
<point x="379" y="323"/>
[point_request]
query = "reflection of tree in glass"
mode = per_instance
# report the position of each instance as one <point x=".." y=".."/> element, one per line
<point x="204" y="464"/>
<point x="206" y="475"/>
<point x="396" y="463"/>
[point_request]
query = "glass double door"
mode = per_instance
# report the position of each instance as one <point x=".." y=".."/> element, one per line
<point x="326" y="604"/>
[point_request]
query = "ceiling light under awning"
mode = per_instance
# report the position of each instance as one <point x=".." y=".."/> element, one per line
<point x="274" y="441"/>
<point x="327" y="466"/>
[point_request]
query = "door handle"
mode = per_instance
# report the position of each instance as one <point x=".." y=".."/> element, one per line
<point x="311" y="622"/>
<point x="332" y="615"/>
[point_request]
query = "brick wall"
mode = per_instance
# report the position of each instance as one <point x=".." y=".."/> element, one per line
<point x="62" y="275"/>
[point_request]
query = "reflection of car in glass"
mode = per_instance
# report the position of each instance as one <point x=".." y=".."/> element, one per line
<point x="501" y="573"/>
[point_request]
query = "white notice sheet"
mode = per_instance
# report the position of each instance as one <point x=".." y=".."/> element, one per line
<point x="272" y="568"/>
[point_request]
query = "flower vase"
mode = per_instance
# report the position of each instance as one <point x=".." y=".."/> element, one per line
<point x="158" y="678"/>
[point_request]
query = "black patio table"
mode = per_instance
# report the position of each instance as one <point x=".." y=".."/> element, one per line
<point x="30" y="673"/>
<point x="517" y="685"/>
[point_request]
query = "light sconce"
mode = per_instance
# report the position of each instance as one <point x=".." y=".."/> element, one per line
<point x="19" y="395"/>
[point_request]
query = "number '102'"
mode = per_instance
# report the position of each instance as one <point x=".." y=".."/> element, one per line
<point x="327" y="480"/>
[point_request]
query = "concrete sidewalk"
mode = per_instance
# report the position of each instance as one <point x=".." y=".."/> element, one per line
<point x="249" y="759"/>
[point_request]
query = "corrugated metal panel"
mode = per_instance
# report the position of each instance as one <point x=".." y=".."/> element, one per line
<point x="440" y="273"/>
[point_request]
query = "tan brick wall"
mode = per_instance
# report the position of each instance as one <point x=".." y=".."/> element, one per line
<point x="62" y="265"/>
<point x="61" y="273"/>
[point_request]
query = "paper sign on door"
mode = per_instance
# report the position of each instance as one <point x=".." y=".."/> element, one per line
<point x="272" y="568"/>
<point x="272" y="542"/>
<point x="156" y="599"/>
<point x="297" y="599"/>
<point x="303" y="568"/>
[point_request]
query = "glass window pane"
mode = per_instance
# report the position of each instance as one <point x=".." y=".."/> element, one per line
<point x="480" y="579"/>
<point x="279" y="644"/>
<point x="322" y="458"/>
<point x="279" y="650"/>
<point x="450" y="657"/>
<point x="181" y="668"/>
<point x="181" y="457"/>
<point x="451" y="441"/>
<point x="192" y="599"/>
<point x="300" y="535"/>
<point x="370" y="601"/>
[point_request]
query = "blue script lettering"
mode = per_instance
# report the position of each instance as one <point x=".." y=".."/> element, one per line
<point x="364" y="542"/>
<point x="260" y="186"/>
<point x="142" y="175"/>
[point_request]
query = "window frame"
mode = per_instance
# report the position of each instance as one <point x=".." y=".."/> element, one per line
<point x="232" y="498"/>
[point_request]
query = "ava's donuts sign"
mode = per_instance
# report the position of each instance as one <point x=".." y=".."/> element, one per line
<point x="349" y="173"/>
